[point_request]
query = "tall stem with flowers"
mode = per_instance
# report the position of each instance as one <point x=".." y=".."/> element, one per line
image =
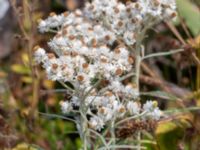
<point x="96" y="56"/>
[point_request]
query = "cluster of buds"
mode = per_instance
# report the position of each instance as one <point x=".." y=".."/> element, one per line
<point x="93" y="51"/>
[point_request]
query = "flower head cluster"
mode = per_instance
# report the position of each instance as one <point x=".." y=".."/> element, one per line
<point x="91" y="52"/>
<point x="130" y="19"/>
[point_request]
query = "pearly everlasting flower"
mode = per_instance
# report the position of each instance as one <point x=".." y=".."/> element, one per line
<point x="149" y="106"/>
<point x="156" y="113"/>
<point x="39" y="55"/>
<point x="152" y="111"/>
<point x="105" y="113"/>
<point x="131" y="91"/>
<point x="96" y="123"/>
<point x="75" y="101"/>
<point x="133" y="108"/>
<point x="65" y="107"/>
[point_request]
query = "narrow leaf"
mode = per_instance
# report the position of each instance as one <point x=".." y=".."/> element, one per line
<point x="160" y="94"/>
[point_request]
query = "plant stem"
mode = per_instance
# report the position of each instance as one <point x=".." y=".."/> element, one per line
<point x="85" y="141"/>
<point x="82" y="128"/>
<point x="139" y="139"/>
<point x="135" y="79"/>
<point x="83" y="124"/>
<point x="163" y="53"/>
<point x="113" y="132"/>
<point x="130" y="118"/>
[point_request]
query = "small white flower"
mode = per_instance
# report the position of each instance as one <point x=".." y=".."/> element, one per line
<point x="105" y="113"/>
<point x="130" y="90"/>
<point x="116" y="86"/>
<point x="133" y="108"/>
<point x="39" y="55"/>
<point x="149" y="106"/>
<point x="43" y="26"/>
<point x="75" y="101"/>
<point x="65" y="107"/>
<point x="96" y="123"/>
<point x="156" y="113"/>
<point x="129" y="38"/>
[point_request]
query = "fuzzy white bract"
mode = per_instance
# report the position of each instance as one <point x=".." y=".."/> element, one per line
<point x="94" y="49"/>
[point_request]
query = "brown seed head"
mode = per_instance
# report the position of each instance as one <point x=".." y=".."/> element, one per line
<point x="173" y="15"/>
<point x="94" y="42"/>
<point x="156" y="3"/>
<point x="102" y="110"/>
<point x="128" y="10"/>
<point x="85" y="65"/>
<point x="64" y="32"/>
<point x="119" y="72"/>
<point x="80" y="78"/>
<point x="64" y="66"/>
<point x="116" y="10"/>
<point x="104" y="60"/>
<point x="74" y="54"/>
<point x="54" y="66"/>
<point x="117" y="51"/>
<point x="107" y="38"/>
<point x="71" y="37"/>
<point x="108" y="94"/>
<point x="120" y="24"/>
<point x="137" y="5"/>
<point x="122" y="110"/>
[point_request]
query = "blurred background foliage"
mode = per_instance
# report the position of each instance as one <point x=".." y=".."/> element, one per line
<point x="29" y="102"/>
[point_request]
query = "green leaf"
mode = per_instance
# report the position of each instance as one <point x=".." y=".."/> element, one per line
<point x="169" y="133"/>
<point x="20" y="69"/>
<point x="25" y="146"/>
<point x="160" y="94"/>
<point x="27" y="79"/>
<point x="191" y="14"/>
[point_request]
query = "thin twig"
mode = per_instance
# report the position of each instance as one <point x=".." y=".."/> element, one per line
<point x="101" y="137"/>
<point x="57" y="116"/>
<point x="127" y="76"/>
<point x="176" y="33"/>
<point x="130" y="118"/>
<point x="53" y="91"/>
<point x="66" y="86"/>
<point x="163" y="53"/>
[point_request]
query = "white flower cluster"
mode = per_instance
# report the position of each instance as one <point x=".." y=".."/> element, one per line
<point x="91" y="52"/>
<point x="130" y="19"/>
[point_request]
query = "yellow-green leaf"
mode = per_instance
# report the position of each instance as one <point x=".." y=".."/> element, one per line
<point x="20" y="69"/>
<point x="27" y="79"/>
<point x="24" y="146"/>
<point x="191" y="14"/>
